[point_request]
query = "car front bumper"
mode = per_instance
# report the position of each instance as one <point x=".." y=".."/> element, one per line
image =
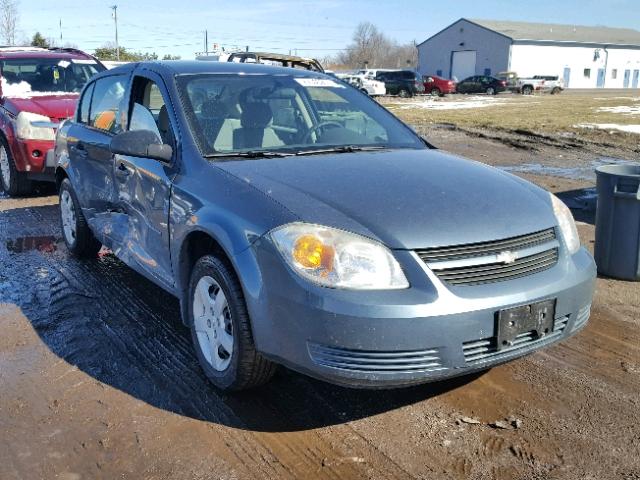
<point x="382" y="339"/>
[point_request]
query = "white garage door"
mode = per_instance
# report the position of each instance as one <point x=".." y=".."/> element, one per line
<point x="463" y="64"/>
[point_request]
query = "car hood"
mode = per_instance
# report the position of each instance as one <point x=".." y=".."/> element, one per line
<point x="52" y="106"/>
<point x="407" y="199"/>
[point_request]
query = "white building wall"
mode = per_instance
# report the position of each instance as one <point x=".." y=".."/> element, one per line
<point x="529" y="60"/>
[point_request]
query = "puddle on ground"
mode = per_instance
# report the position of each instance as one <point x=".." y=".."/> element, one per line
<point x="587" y="173"/>
<point x="46" y="244"/>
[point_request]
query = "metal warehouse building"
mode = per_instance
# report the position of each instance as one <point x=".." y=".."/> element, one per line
<point x="586" y="57"/>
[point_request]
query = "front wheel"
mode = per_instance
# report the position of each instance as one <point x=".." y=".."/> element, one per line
<point x="221" y="330"/>
<point x="13" y="182"/>
<point x="435" y="92"/>
<point x="491" y="91"/>
<point x="404" y="93"/>
<point x="76" y="232"/>
<point x="527" y="90"/>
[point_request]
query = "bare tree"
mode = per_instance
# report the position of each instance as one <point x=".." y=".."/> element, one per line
<point x="373" y="48"/>
<point x="8" y="21"/>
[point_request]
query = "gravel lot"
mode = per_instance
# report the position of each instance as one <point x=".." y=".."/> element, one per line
<point x="98" y="378"/>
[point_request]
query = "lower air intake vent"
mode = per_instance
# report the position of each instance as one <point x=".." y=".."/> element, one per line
<point x="478" y="351"/>
<point x="376" y="361"/>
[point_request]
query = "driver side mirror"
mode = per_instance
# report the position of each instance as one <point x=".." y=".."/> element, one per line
<point x="141" y="143"/>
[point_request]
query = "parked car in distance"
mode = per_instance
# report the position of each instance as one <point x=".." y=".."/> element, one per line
<point x="372" y="72"/>
<point x="404" y="83"/>
<point x="481" y="84"/>
<point x="365" y="85"/>
<point x="300" y="223"/>
<point x="552" y="84"/>
<point x="276" y="59"/>
<point x="511" y="81"/>
<point x="39" y="88"/>
<point x="437" y="86"/>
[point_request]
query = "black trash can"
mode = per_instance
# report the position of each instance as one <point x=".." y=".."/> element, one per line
<point x="617" y="248"/>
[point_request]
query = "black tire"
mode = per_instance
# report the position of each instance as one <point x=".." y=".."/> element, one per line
<point x="17" y="184"/>
<point x="556" y="91"/>
<point x="491" y="91"/>
<point x="247" y="368"/>
<point x="435" y="92"/>
<point x="527" y="90"/>
<point x="364" y="90"/>
<point x="404" y="93"/>
<point x="83" y="243"/>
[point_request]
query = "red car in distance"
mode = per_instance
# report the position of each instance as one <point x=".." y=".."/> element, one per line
<point x="437" y="86"/>
<point x="39" y="89"/>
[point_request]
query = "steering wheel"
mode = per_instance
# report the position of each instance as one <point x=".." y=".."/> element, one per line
<point x="318" y="127"/>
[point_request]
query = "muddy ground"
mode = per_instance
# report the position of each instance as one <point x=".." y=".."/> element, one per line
<point x="98" y="378"/>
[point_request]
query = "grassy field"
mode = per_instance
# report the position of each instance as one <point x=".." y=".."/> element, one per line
<point x="538" y="114"/>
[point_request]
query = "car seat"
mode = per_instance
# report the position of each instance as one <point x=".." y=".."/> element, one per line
<point x="254" y="131"/>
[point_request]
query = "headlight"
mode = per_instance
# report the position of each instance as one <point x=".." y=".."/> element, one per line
<point x="566" y="223"/>
<point x="26" y="130"/>
<point x="338" y="259"/>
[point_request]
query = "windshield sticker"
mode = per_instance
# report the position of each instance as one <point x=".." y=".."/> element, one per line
<point x="83" y="62"/>
<point x="318" y="82"/>
<point x="63" y="63"/>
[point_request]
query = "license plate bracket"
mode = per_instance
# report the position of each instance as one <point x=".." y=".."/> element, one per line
<point x="536" y="317"/>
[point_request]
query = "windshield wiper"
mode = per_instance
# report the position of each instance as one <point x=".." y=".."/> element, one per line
<point x="249" y="154"/>
<point x="343" y="149"/>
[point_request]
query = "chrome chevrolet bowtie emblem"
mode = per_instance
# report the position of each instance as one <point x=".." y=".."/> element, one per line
<point x="507" y="257"/>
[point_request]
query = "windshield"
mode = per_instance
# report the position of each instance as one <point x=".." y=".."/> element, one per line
<point x="288" y="114"/>
<point x="47" y="74"/>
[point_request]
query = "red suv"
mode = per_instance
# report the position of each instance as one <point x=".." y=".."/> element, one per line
<point x="438" y="86"/>
<point x="39" y="88"/>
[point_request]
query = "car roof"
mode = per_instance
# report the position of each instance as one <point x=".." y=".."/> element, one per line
<point x="194" y="67"/>
<point x="18" y="52"/>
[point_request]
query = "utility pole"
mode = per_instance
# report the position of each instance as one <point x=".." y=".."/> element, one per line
<point x="115" y="19"/>
<point x="60" y="32"/>
<point x="206" y="42"/>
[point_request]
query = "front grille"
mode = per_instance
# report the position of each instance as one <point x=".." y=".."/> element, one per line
<point x="479" y="351"/>
<point x="376" y="361"/>
<point x="480" y="263"/>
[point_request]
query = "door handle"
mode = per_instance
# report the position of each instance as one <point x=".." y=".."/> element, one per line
<point x="81" y="149"/>
<point x="122" y="170"/>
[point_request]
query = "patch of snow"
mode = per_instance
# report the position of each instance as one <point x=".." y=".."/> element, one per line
<point x="15" y="89"/>
<point x="610" y="126"/>
<point x="435" y="104"/>
<point x="622" y="109"/>
<point x="23" y="90"/>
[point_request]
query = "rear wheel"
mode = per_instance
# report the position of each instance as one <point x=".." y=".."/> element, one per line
<point x="435" y="92"/>
<point x="75" y="231"/>
<point x="221" y="330"/>
<point x="364" y="90"/>
<point x="556" y="91"/>
<point x="490" y="91"/>
<point x="13" y="182"/>
<point x="527" y="90"/>
<point x="404" y="93"/>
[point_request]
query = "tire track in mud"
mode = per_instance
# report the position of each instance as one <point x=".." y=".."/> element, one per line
<point x="125" y="332"/>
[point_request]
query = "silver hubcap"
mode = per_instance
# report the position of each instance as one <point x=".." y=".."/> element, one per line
<point x="212" y="323"/>
<point x="4" y="168"/>
<point x="68" y="214"/>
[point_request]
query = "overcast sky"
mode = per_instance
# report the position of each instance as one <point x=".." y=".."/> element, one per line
<point x="314" y="28"/>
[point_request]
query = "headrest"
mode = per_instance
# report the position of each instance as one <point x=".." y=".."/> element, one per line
<point x="256" y="115"/>
<point x="214" y="108"/>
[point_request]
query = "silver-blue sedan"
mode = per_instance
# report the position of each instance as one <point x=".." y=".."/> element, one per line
<point x="301" y="223"/>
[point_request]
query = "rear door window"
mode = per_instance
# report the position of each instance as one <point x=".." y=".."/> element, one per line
<point x="107" y="103"/>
